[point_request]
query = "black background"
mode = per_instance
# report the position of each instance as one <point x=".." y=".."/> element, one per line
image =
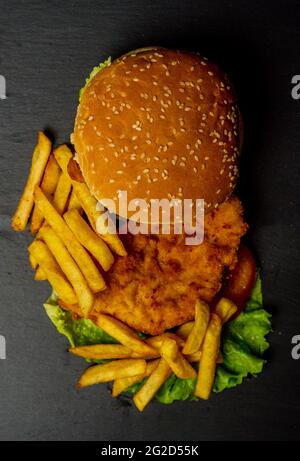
<point x="46" y="50"/>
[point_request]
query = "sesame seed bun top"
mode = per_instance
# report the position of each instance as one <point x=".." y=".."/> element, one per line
<point x="159" y="123"/>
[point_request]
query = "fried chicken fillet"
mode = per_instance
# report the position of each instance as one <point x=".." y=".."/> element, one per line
<point x="155" y="287"/>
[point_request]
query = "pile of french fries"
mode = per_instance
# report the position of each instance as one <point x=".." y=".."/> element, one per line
<point x="68" y="250"/>
<point x="157" y="357"/>
<point x="72" y="253"/>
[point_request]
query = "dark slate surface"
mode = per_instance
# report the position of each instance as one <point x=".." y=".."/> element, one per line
<point x="46" y="50"/>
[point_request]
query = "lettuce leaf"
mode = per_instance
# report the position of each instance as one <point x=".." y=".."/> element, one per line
<point x="176" y="389"/>
<point x="243" y="344"/>
<point x="95" y="71"/>
<point x="80" y="332"/>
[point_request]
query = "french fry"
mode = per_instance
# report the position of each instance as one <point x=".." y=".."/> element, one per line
<point x="48" y="186"/>
<point x="184" y="330"/>
<point x="74" y="308"/>
<point x="87" y="237"/>
<point x="52" y="270"/>
<point x="78" y="253"/>
<point x="225" y="309"/>
<point x="74" y="202"/>
<point x="33" y="262"/>
<point x="111" y="371"/>
<point x="124" y="334"/>
<point x="40" y="275"/>
<point x="122" y="384"/>
<point x="157" y="378"/>
<point x="196" y="336"/>
<point x="70" y="269"/>
<point x="62" y="193"/>
<point x="176" y="361"/>
<point x="63" y="155"/>
<point x="102" y="351"/>
<point x="39" y="161"/>
<point x="210" y="351"/>
<point x="196" y="357"/>
<point x="157" y="341"/>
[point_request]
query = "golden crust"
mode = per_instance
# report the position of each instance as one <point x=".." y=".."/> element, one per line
<point x="159" y="123"/>
<point x="155" y="288"/>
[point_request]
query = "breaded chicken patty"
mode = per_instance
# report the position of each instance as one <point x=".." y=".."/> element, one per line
<point x="155" y="287"/>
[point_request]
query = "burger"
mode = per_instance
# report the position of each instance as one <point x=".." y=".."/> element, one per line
<point x="163" y="126"/>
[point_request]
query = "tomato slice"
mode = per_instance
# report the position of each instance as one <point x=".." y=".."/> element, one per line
<point x="241" y="279"/>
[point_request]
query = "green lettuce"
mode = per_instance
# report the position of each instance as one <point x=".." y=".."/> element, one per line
<point x="243" y="344"/>
<point x="95" y="71"/>
<point x="80" y="332"/>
